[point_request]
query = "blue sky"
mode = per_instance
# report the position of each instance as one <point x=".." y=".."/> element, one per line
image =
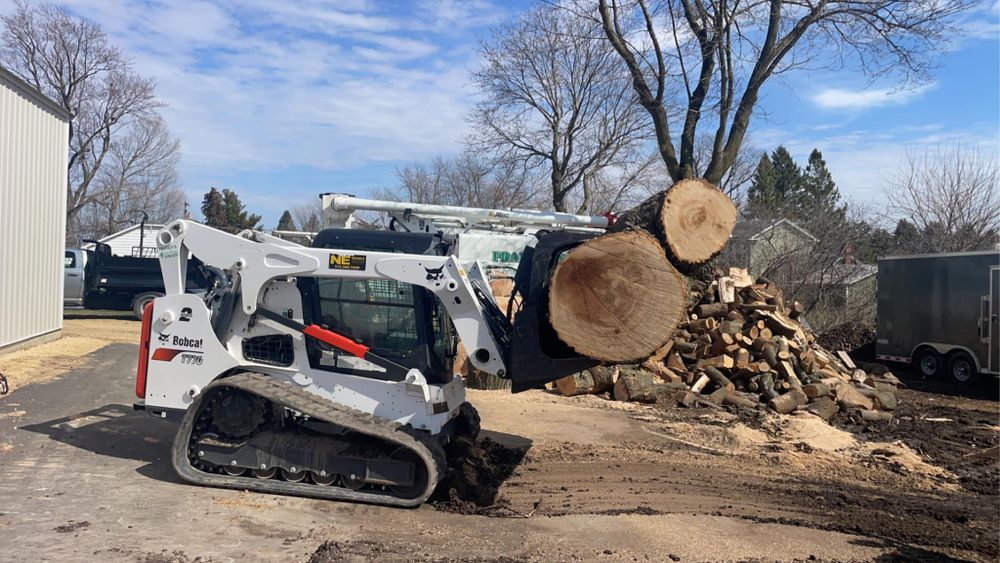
<point x="284" y="100"/>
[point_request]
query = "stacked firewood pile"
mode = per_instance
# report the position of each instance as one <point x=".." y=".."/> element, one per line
<point x="742" y="345"/>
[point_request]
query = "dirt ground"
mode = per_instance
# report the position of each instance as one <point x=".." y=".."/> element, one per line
<point x="85" y="478"/>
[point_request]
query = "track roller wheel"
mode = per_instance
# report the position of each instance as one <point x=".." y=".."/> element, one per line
<point x="268" y="473"/>
<point x="352" y="482"/>
<point x="322" y="478"/>
<point x="294" y="476"/>
<point x="233" y="470"/>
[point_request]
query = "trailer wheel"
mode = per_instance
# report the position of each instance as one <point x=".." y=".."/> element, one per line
<point x="962" y="368"/>
<point x="928" y="362"/>
<point x="139" y="302"/>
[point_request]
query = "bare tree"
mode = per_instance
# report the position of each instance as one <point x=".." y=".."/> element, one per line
<point x="70" y="60"/>
<point x="691" y="60"/>
<point x="951" y="195"/>
<point x="466" y="180"/>
<point x="736" y="180"/>
<point x="309" y="216"/>
<point x="556" y="98"/>
<point x="139" y="174"/>
<point x="621" y="186"/>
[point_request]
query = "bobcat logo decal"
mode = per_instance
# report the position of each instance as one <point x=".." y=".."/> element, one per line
<point x="435" y="274"/>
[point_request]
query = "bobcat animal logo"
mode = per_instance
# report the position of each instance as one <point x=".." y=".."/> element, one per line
<point x="435" y="274"/>
<point x="164" y="337"/>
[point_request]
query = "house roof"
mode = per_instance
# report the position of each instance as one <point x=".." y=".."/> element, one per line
<point x="112" y="236"/>
<point x="755" y="229"/>
<point x="29" y="91"/>
<point x="843" y="274"/>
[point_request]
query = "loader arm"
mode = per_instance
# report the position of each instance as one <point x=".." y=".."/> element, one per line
<point x="257" y="259"/>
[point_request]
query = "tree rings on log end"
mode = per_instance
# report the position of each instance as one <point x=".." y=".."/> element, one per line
<point x="697" y="220"/>
<point x="616" y="298"/>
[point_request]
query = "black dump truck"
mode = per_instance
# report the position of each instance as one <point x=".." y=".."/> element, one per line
<point x="127" y="282"/>
<point x="940" y="313"/>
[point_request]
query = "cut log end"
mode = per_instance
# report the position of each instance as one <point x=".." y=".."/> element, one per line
<point x="697" y="220"/>
<point x="616" y="298"/>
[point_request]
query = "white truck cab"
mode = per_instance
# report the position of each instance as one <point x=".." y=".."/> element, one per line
<point x="73" y="264"/>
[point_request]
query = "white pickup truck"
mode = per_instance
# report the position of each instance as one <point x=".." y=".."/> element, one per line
<point x="73" y="285"/>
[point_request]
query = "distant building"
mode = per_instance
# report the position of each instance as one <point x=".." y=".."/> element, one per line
<point x="34" y="135"/>
<point x="846" y="292"/>
<point x="133" y="241"/>
<point x="837" y="289"/>
<point x="760" y="246"/>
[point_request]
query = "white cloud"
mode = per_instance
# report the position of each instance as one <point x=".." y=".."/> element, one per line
<point x="840" y="98"/>
<point x="267" y="84"/>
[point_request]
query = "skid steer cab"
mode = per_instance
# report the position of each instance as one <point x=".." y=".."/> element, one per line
<point x="326" y="371"/>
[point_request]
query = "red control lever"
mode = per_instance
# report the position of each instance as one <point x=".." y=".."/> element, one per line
<point x="336" y="340"/>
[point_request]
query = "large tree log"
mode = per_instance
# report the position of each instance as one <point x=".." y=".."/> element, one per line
<point x="616" y="298"/>
<point x="692" y="219"/>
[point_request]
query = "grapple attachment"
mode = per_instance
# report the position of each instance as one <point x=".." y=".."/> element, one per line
<point x="535" y="354"/>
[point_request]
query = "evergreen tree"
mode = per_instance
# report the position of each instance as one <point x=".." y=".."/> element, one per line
<point x="285" y="223"/>
<point x="214" y="209"/>
<point x="776" y="188"/>
<point x="237" y="217"/>
<point x="761" y="194"/>
<point x="788" y="181"/>
<point x="820" y="192"/>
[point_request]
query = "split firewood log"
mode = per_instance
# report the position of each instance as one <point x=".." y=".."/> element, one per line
<point x="640" y="386"/>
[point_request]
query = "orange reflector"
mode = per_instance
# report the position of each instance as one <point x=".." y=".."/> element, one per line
<point x="140" y="372"/>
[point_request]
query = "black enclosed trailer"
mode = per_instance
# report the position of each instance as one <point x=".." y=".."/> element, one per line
<point x="940" y="312"/>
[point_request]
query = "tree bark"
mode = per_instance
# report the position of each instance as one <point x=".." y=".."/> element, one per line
<point x="639" y="386"/>
<point x="588" y="382"/>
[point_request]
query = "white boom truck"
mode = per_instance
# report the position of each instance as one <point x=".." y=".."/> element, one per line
<point x="496" y="237"/>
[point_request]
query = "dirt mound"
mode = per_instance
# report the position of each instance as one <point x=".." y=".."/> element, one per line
<point x="858" y="339"/>
<point x="475" y="472"/>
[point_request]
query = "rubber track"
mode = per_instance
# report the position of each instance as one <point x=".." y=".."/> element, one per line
<point x="320" y="409"/>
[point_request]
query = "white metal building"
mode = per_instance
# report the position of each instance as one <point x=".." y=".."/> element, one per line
<point x="34" y="134"/>
<point x="127" y="242"/>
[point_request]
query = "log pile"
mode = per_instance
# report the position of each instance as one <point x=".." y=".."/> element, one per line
<point x="742" y="344"/>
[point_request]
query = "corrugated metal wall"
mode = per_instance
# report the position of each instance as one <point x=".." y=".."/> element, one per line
<point x="33" y="142"/>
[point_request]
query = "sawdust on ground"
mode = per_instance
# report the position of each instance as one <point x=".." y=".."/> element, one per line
<point x="80" y="337"/>
<point x="584" y="458"/>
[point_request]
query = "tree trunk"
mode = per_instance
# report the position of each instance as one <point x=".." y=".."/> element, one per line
<point x="692" y="220"/>
<point x="616" y="298"/>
